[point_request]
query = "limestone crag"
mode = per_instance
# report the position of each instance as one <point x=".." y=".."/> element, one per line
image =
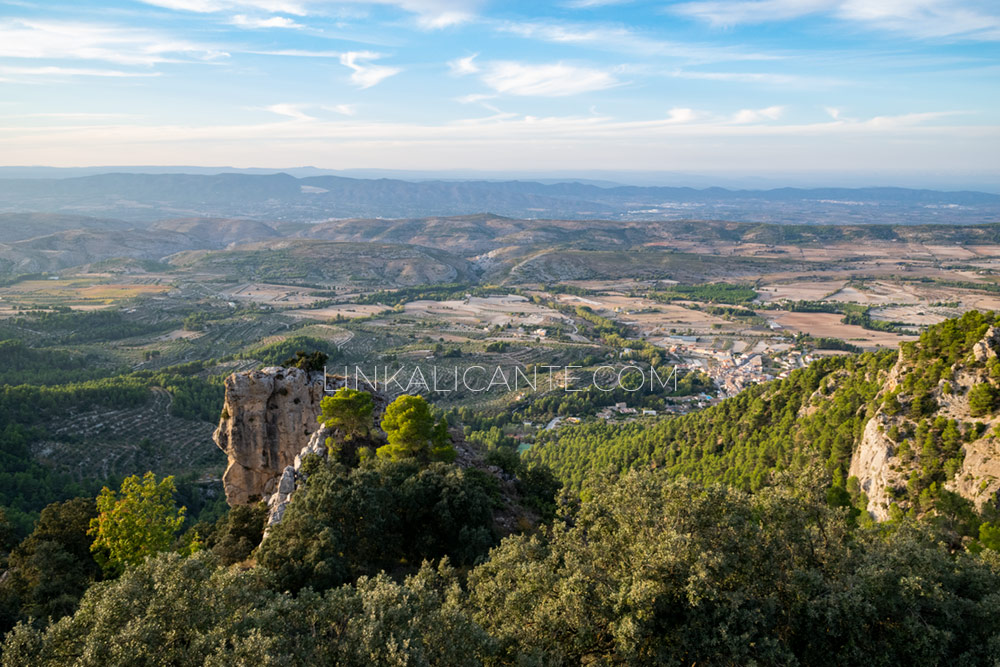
<point x="882" y="475"/>
<point x="268" y="418"/>
<point x="290" y="477"/>
<point x="987" y="347"/>
<point x="870" y="464"/>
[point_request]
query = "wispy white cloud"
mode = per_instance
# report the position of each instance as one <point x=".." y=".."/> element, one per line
<point x="588" y="4"/>
<point x="463" y="66"/>
<point x="956" y="19"/>
<point x="909" y="119"/>
<point x="682" y="115"/>
<point x="725" y="13"/>
<point x="744" y="116"/>
<point x="343" y="109"/>
<point x="212" y="6"/>
<point x="293" y="111"/>
<point x="298" y="53"/>
<point x="69" y="72"/>
<point x="475" y="98"/>
<point x="365" y="74"/>
<point x="762" y="78"/>
<point x="27" y="38"/>
<point x="928" y="18"/>
<point x="431" y="14"/>
<point x="244" y="21"/>
<point x="541" y="80"/>
<point x="622" y="39"/>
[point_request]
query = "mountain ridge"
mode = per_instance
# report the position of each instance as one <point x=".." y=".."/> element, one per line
<point x="146" y="197"/>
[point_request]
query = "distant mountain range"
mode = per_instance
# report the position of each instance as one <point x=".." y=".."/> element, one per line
<point x="444" y="248"/>
<point x="285" y="198"/>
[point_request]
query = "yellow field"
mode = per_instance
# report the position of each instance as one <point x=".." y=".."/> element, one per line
<point x="80" y="293"/>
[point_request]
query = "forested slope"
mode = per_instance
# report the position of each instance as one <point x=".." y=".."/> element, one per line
<point x="932" y="441"/>
<point x="816" y="413"/>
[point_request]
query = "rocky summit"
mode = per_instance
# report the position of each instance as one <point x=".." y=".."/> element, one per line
<point x="267" y="419"/>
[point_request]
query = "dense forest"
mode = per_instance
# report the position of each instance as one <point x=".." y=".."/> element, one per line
<point x="645" y="570"/>
<point x="733" y="535"/>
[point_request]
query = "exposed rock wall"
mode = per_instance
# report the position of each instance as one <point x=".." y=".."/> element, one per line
<point x="871" y="465"/>
<point x="883" y="475"/>
<point x="268" y="418"/>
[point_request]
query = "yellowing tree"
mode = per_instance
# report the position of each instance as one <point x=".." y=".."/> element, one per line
<point x="136" y="522"/>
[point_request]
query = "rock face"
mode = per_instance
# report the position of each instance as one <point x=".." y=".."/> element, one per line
<point x="290" y="477"/>
<point x="269" y="427"/>
<point x="882" y="474"/>
<point x="987" y="347"/>
<point x="268" y="418"/>
<point x="870" y="464"/>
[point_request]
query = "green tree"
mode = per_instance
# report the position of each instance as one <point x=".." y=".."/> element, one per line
<point x="649" y="571"/>
<point x="989" y="535"/>
<point x="50" y="570"/>
<point x="410" y="428"/>
<point x="982" y="399"/>
<point x="186" y="612"/>
<point x="349" y="522"/>
<point x="349" y="411"/>
<point x="441" y="447"/>
<point x="139" y="521"/>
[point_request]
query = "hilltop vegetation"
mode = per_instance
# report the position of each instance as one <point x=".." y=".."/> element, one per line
<point x="644" y="571"/>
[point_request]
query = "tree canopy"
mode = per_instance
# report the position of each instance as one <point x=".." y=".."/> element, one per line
<point x="139" y="521"/>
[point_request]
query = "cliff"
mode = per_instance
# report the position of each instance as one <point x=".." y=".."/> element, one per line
<point x="269" y="425"/>
<point x="267" y="419"/>
<point x="924" y="428"/>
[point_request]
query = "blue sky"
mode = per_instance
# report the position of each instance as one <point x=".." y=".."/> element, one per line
<point x="694" y="86"/>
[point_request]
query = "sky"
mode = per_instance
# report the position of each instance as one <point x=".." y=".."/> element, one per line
<point x="696" y="86"/>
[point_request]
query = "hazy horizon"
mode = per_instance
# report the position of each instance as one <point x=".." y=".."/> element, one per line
<point x="983" y="182"/>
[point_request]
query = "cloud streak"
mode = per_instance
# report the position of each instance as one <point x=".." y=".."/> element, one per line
<point x="431" y="14"/>
<point x="365" y="74"/>
<point x="533" y="80"/>
<point x="293" y="111"/>
<point x="244" y="21"/>
<point x="28" y="38"/>
<point x="621" y="39"/>
<point x="953" y="19"/>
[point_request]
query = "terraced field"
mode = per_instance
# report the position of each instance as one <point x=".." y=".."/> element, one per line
<point x="102" y="443"/>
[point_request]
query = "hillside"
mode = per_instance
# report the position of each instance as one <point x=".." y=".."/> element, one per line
<point x="508" y="249"/>
<point x="20" y="226"/>
<point x="324" y="261"/>
<point x="894" y="431"/>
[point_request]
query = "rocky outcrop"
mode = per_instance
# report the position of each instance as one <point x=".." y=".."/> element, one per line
<point x="988" y="346"/>
<point x="269" y="416"/>
<point x="882" y="475"/>
<point x="291" y="476"/>
<point x="870" y="464"/>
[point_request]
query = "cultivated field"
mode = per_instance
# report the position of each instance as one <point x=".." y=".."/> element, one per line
<point x="828" y="325"/>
